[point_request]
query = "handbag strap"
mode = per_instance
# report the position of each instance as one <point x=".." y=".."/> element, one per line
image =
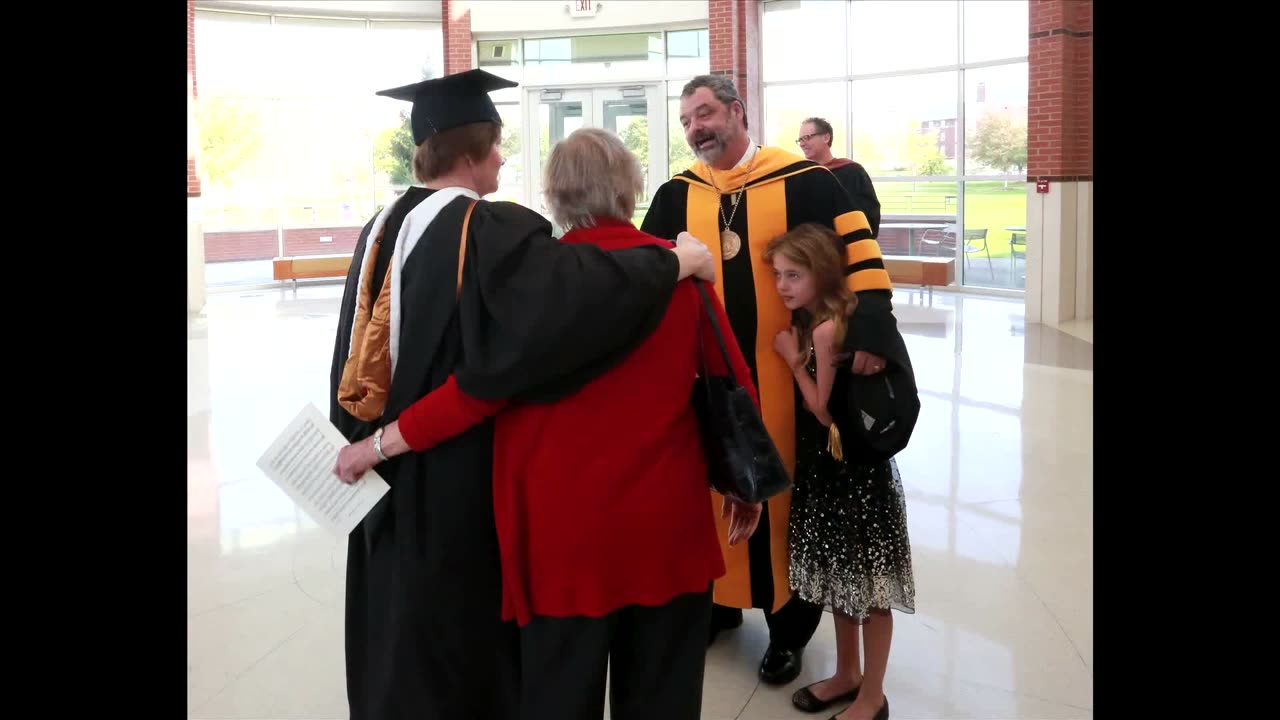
<point x="715" y="324"/>
<point x="462" y="245"/>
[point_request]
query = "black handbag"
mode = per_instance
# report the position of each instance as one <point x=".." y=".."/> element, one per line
<point x="742" y="461"/>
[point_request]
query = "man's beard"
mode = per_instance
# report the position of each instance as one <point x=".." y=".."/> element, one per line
<point x="715" y="151"/>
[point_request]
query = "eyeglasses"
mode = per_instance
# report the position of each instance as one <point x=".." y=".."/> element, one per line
<point x="806" y="138"/>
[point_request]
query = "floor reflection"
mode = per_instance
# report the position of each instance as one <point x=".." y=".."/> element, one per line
<point x="999" y="491"/>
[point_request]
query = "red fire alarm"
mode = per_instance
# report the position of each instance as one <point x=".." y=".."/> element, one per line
<point x="1042" y="186"/>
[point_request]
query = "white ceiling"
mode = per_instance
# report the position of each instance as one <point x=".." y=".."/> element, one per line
<point x="415" y="9"/>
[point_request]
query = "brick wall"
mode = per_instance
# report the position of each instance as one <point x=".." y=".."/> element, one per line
<point x="306" y="241"/>
<point x="457" y="35"/>
<point x="1060" y="107"/>
<point x="722" y="35"/>
<point x="241" y="245"/>
<point x="261" y="244"/>
<point x="193" y="179"/>
<point x="733" y="29"/>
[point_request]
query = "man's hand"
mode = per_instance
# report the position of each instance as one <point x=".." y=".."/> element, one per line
<point x="864" y="363"/>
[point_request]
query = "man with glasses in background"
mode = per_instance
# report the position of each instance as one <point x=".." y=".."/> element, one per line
<point x="815" y="141"/>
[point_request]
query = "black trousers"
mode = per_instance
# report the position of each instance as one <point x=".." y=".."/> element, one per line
<point x="654" y="657"/>
<point x="793" y="626"/>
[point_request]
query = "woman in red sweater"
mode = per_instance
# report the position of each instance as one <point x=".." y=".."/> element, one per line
<point x="605" y="531"/>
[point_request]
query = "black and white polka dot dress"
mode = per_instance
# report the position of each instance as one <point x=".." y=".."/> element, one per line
<point x="848" y="527"/>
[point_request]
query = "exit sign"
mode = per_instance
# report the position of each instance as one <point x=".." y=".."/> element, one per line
<point x="583" y="8"/>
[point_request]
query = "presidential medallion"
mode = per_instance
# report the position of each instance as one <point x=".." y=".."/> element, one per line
<point x="730" y="244"/>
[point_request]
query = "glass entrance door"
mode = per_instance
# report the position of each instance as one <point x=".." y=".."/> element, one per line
<point x="635" y="113"/>
<point x="638" y="115"/>
<point x="554" y="115"/>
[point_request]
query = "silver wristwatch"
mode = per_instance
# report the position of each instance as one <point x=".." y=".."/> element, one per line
<point x="377" y="444"/>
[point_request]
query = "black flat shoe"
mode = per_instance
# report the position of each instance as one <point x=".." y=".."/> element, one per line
<point x="882" y="715"/>
<point x="780" y="666"/>
<point x="805" y="700"/>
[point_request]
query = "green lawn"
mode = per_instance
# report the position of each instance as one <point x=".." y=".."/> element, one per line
<point x="988" y="205"/>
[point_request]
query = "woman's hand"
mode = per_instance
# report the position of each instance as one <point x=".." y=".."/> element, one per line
<point x="695" y="258"/>
<point x="743" y="518"/>
<point x="787" y="345"/>
<point x="355" y="460"/>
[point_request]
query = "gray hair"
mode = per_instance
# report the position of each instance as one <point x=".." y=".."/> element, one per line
<point x="720" y="86"/>
<point x="591" y="173"/>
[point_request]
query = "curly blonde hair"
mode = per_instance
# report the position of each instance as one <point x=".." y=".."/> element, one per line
<point x="817" y="249"/>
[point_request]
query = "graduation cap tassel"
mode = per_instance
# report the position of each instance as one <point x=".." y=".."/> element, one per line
<point x="833" y="443"/>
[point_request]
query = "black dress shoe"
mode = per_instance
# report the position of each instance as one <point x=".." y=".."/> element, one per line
<point x="722" y="618"/>
<point x="805" y="700"/>
<point x="780" y="666"/>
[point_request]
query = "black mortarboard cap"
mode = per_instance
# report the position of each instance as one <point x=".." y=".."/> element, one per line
<point x="876" y="413"/>
<point x="450" y="101"/>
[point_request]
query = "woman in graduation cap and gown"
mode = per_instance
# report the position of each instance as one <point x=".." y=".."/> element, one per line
<point x="442" y="282"/>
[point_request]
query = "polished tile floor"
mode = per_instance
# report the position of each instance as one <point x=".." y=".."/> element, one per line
<point x="999" y="481"/>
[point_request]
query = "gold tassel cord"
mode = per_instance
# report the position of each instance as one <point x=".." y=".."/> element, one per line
<point x="833" y="443"/>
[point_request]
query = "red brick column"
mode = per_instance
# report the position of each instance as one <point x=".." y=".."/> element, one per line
<point x="193" y="179"/>
<point x="1060" y="108"/>
<point x="457" y="35"/>
<point x="1060" y="150"/>
<point x="734" y="32"/>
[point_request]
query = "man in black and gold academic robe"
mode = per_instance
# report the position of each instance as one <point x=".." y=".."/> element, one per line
<point x="737" y="197"/>
<point x="512" y="313"/>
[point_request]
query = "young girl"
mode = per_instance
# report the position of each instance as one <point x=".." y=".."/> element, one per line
<point x="849" y="545"/>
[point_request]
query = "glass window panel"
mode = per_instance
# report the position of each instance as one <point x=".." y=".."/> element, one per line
<point x="995" y="29"/>
<point x="503" y="58"/>
<point x="893" y="35"/>
<point x="237" y="164"/>
<point x="511" y="180"/>
<point x="592" y="58"/>
<point x="400" y="53"/>
<point x="497" y="53"/>
<point x="628" y="118"/>
<point x="234" y="55"/>
<point x="917" y="218"/>
<point x="906" y="125"/>
<point x="804" y="39"/>
<point x="292" y="135"/>
<point x="327" y="172"/>
<point x="995" y="115"/>
<point x="787" y="107"/>
<point x="679" y="154"/>
<point x="688" y="53"/>
<point x="393" y="145"/>
<point x="325" y="58"/>
<point x="995" y="218"/>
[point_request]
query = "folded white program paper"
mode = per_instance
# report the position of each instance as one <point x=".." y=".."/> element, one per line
<point x="301" y="462"/>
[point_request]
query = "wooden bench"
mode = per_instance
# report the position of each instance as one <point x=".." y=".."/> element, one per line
<point x="310" y="267"/>
<point x="923" y="271"/>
